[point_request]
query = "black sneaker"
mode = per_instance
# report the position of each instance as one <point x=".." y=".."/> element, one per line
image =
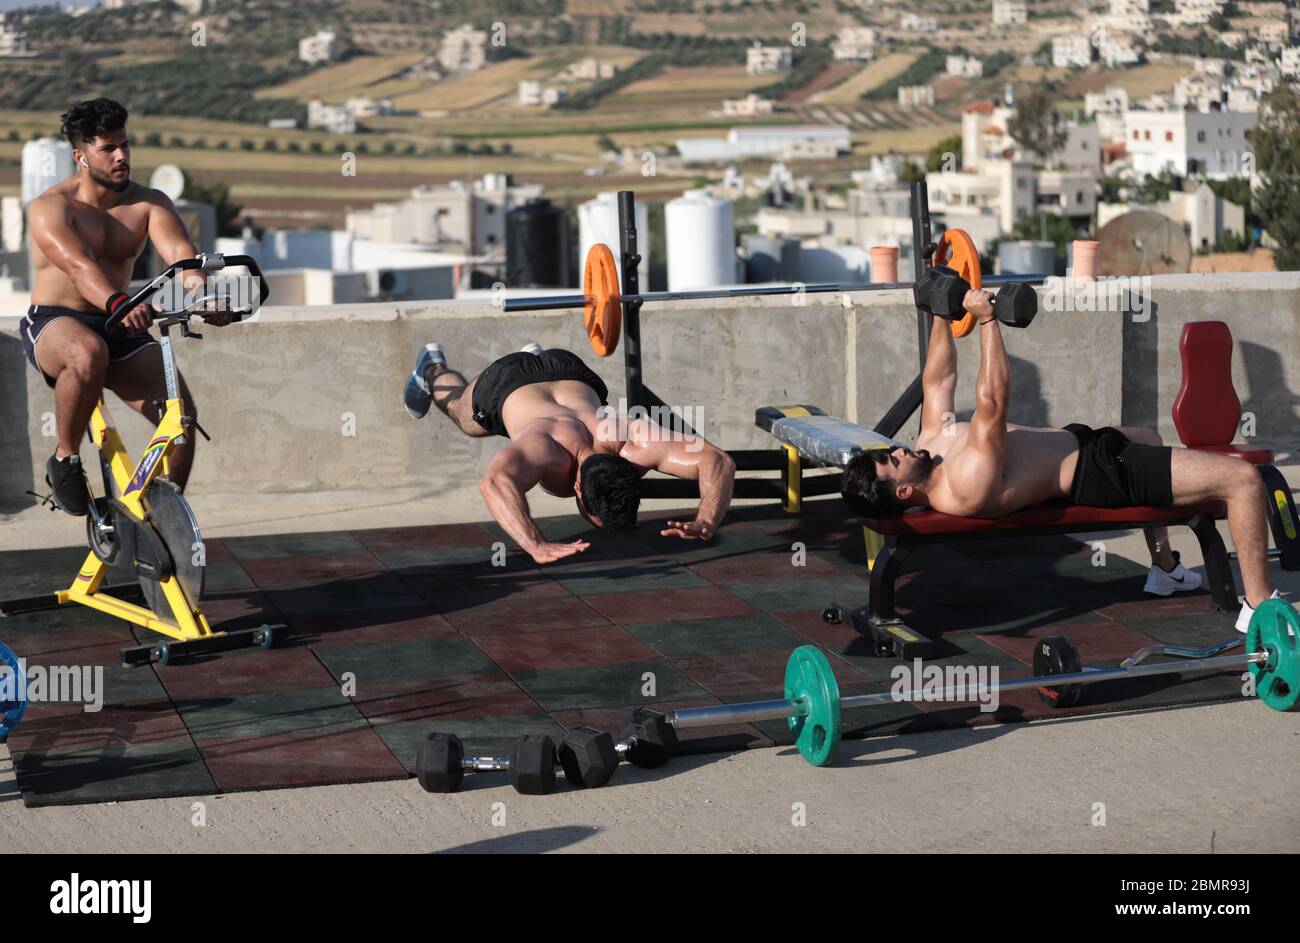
<point x="67" y="479"/>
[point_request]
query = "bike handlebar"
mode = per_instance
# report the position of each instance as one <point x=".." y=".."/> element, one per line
<point x="208" y="262"/>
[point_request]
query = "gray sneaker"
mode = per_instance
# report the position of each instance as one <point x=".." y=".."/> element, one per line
<point x="418" y="396"/>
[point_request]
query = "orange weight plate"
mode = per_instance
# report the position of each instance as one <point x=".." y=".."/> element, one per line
<point x="956" y="250"/>
<point x="603" y="313"/>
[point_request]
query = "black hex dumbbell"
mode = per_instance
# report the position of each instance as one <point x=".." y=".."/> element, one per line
<point x="442" y="763"/>
<point x="941" y="291"/>
<point x="589" y="756"/>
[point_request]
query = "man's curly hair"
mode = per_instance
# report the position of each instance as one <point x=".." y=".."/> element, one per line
<point x="87" y="120"/>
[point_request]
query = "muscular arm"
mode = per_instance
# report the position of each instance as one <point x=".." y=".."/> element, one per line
<point x="984" y="459"/>
<point x="510" y="475"/>
<point x="939" y="379"/>
<point x="50" y="218"/>
<point x="651" y="446"/>
<point x="170" y="240"/>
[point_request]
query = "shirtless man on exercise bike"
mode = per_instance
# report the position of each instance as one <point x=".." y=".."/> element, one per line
<point x="548" y="403"/>
<point x="989" y="467"/>
<point x="86" y="233"/>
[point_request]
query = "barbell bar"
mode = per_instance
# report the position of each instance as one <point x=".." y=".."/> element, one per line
<point x="602" y="302"/>
<point x="813" y="706"/>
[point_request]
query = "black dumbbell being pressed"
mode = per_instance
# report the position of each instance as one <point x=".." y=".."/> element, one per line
<point x="941" y="291"/>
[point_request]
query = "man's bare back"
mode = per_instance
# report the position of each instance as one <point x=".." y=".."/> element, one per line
<point x="1039" y="467"/>
<point x="555" y="422"/>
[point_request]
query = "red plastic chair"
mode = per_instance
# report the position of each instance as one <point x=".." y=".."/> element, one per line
<point x="1206" y="410"/>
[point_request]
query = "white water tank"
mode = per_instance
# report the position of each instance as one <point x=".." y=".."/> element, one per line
<point x="701" y="234"/>
<point x="46" y="161"/>
<point x="598" y="222"/>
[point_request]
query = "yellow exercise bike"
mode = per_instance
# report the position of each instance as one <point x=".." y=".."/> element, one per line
<point x="143" y="522"/>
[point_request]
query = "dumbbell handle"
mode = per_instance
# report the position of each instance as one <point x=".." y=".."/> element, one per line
<point x="484" y="764"/>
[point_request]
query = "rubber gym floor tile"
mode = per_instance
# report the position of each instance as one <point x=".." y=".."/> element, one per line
<point x="425" y="537"/>
<point x="799" y="595"/>
<point x="771" y="564"/>
<point x="481" y="736"/>
<point x="1198" y="629"/>
<point x="1049" y="546"/>
<point x="561" y="529"/>
<point x="654" y="575"/>
<point x="537" y="608"/>
<point x="291" y="545"/>
<point x="559" y="689"/>
<point x="68" y="618"/>
<point x="841" y="639"/>
<point x="405" y="661"/>
<point x="735" y="634"/>
<point x="727" y="542"/>
<point x="225" y="577"/>
<point x="1151" y="607"/>
<point x="62" y="644"/>
<point x="382" y="590"/>
<point x="251" y="671"/>
<point x="575" y="648"/>
<point x="381" y="627"/>
<point x="1078" y="567"/>
<point x="435" y="700"/>
<point x="454" y="564"/>
<point x="34" y="572"/>
<point x="1012" y="615"/>
<point x="325" y="710"/>
<point x="95" y="673"/>
<point x="973" y="651"/>
<point x="230" y="612"/>
<point x="704" y="602"/>
<point x="300" y="758"/>
<point x="757" y="674"/>
<point x="48" y="726"/>
<point x="298" y="572"/>
<point x="1103" y="642"/>
<point x="121" y="772"/>
<point x="216" y="551"/>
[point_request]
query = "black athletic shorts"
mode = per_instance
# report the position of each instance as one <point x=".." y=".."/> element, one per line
<point x="1114" y="472"/>
<point x="121" y="346"/>
<point x="495" y="384"/>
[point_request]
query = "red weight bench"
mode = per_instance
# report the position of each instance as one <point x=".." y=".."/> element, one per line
<point x="915" y="529"/>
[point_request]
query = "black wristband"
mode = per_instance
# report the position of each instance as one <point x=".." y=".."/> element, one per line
<point x="114" y="300"/>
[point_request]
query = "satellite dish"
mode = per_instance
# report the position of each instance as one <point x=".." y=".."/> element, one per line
<point x="1143" y="243"/>
<point x="169" y="179"/>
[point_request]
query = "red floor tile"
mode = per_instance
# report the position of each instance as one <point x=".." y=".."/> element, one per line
<point x="463" y="696"/>
<point x="308" y="570"/>
<point x="300" y="758"/>
<point x="572" y="648"/>
<point x="702" y="602"/>
<point x="245" y="672"/>
<point x="436" y="535"/>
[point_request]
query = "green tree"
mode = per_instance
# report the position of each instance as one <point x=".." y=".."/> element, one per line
<point x="1276" y="141"/>
<point x="218" y="194"/>
<point x="937" y="157"/>
<point x="1037" y="126"/>
<point x="912" y="172"/>
<point x="1052" y="227"/>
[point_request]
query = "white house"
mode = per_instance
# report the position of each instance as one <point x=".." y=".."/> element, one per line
<point x="1213" y="143"/>
<point x="1071" y="52"/>
<point x="1010" y="12"/>
<point x="760" y="59"/>
<point x="319" y="47"/>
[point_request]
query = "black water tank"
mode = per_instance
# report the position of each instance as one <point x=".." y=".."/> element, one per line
<point x="537" y="245"/>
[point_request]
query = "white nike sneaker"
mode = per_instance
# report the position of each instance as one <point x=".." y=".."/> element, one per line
<point x="418" y="397"/>
<point x="532" y="347"/>
<point x="1244" y="617"/>
<point x="1178" y="580"/>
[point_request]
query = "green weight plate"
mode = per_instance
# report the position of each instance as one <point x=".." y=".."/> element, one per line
<point x="1275" y="628"/>
<point x="810" y="680"/>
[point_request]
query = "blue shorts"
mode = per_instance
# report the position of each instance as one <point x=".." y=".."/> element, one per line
<point x="121" y="346"/>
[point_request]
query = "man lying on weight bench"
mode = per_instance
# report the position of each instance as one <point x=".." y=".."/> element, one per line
<point x="548" y="403"/>
<point x="989" y="467"/>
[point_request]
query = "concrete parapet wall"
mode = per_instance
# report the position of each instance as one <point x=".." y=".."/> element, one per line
<point x="309" y="399"/>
